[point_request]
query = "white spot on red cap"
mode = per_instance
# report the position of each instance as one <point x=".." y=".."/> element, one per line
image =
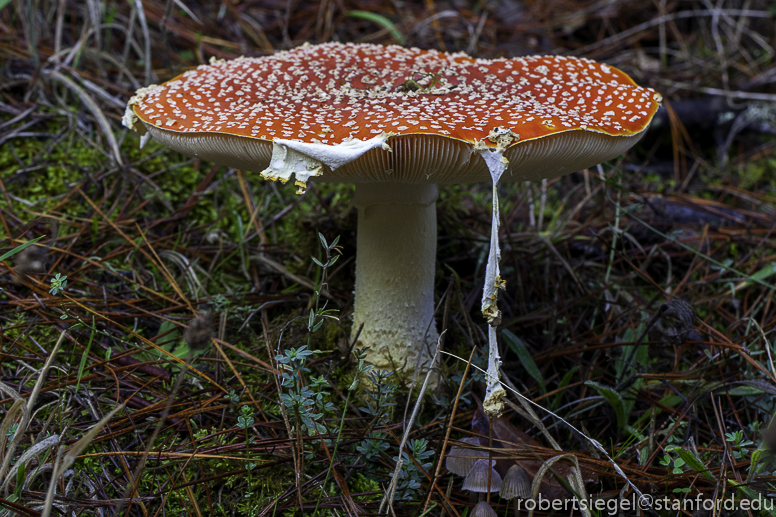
<point x="349" y="90"/>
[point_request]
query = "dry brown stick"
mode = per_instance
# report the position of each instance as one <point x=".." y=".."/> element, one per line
<point x="447" y="432"/>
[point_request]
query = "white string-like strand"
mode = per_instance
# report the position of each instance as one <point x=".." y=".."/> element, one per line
<point x="492" y="404"/>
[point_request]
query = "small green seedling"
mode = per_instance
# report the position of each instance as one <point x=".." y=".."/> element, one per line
<point x="58" y="284"/>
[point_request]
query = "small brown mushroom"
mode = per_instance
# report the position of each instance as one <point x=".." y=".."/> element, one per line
<point x="477" y="478"/>
<point x="29" y="261"/>
<point x="461" y="459"/>
<point x="483" y="509"/>
<point x="516" y="484"/>
<point x="197" y="335"/>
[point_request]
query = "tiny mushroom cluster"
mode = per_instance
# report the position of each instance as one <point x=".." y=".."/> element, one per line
<point x="398" y="122"/>
<point x="478" y="478"/>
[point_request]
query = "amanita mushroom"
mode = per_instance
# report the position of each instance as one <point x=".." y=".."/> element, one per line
<point x="397" y="122"/>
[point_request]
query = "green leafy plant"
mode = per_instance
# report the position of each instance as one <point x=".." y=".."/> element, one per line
<point x="613" y="398"/>
<point x="360" y="370"/>
<point x="517" y="346"/>
<point x="58" y="284"/>
<point x="306" y="402"/>
<point x="410" y="474"/>
<point x="739" y="443"/>
<point x="245" y="421"/>
<point x="374" y="446"/>
<point x="674" y="465"/>
<point x="380" y="398"/>
<point x="232" y="397"/>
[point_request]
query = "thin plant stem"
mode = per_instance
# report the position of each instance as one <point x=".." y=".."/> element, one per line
<point x="248" y="458"/>
<point x="616" y="227"/>
<point x="334" y="452"/>
<point x="300" y="455"/>
<point x="490" y="457"/>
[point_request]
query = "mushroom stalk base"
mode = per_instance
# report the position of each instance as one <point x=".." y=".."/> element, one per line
<point x="395" y="263"/>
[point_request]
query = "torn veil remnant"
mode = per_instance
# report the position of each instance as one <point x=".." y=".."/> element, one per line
<point x="306" y="160"/>
<point x="493" y="403"/>
<point x="398" y="122"/>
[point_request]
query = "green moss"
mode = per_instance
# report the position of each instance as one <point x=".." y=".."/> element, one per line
<point x="362" y="484"/>
<point x="40" y="175"/>
<point x="327" y="338"/>
<point x="757" y="172"/>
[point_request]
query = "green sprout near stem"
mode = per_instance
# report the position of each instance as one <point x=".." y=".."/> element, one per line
<point x="58" y="284"/>
<point x="244" y="422"/>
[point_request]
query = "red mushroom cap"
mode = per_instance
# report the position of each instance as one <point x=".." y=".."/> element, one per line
<point x="439" y="103"/>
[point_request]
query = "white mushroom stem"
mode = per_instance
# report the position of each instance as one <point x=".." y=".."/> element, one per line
<point x="395" y="262"/>
<point x="493" y="404"/>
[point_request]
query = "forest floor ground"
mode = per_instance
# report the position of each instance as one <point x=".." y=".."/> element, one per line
<point x="639" y="305"/>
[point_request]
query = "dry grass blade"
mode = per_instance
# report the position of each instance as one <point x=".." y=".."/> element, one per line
<point x="390" y="491"/>
<point x="164" y="270"/>
<point x="84" y="441"/>
<point x="276" y="266"/>
<point x="48" y="504"/>
<point x="93" y="107"/>
<point x="577" y="484"/>
<point x="18" y="406"/>
<point x="11" y="413"/>
<point x="18" y="508"/>
<point x="43" y="371"/>
<point x="22" y="428"/>
<point x="29" y="453"/>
